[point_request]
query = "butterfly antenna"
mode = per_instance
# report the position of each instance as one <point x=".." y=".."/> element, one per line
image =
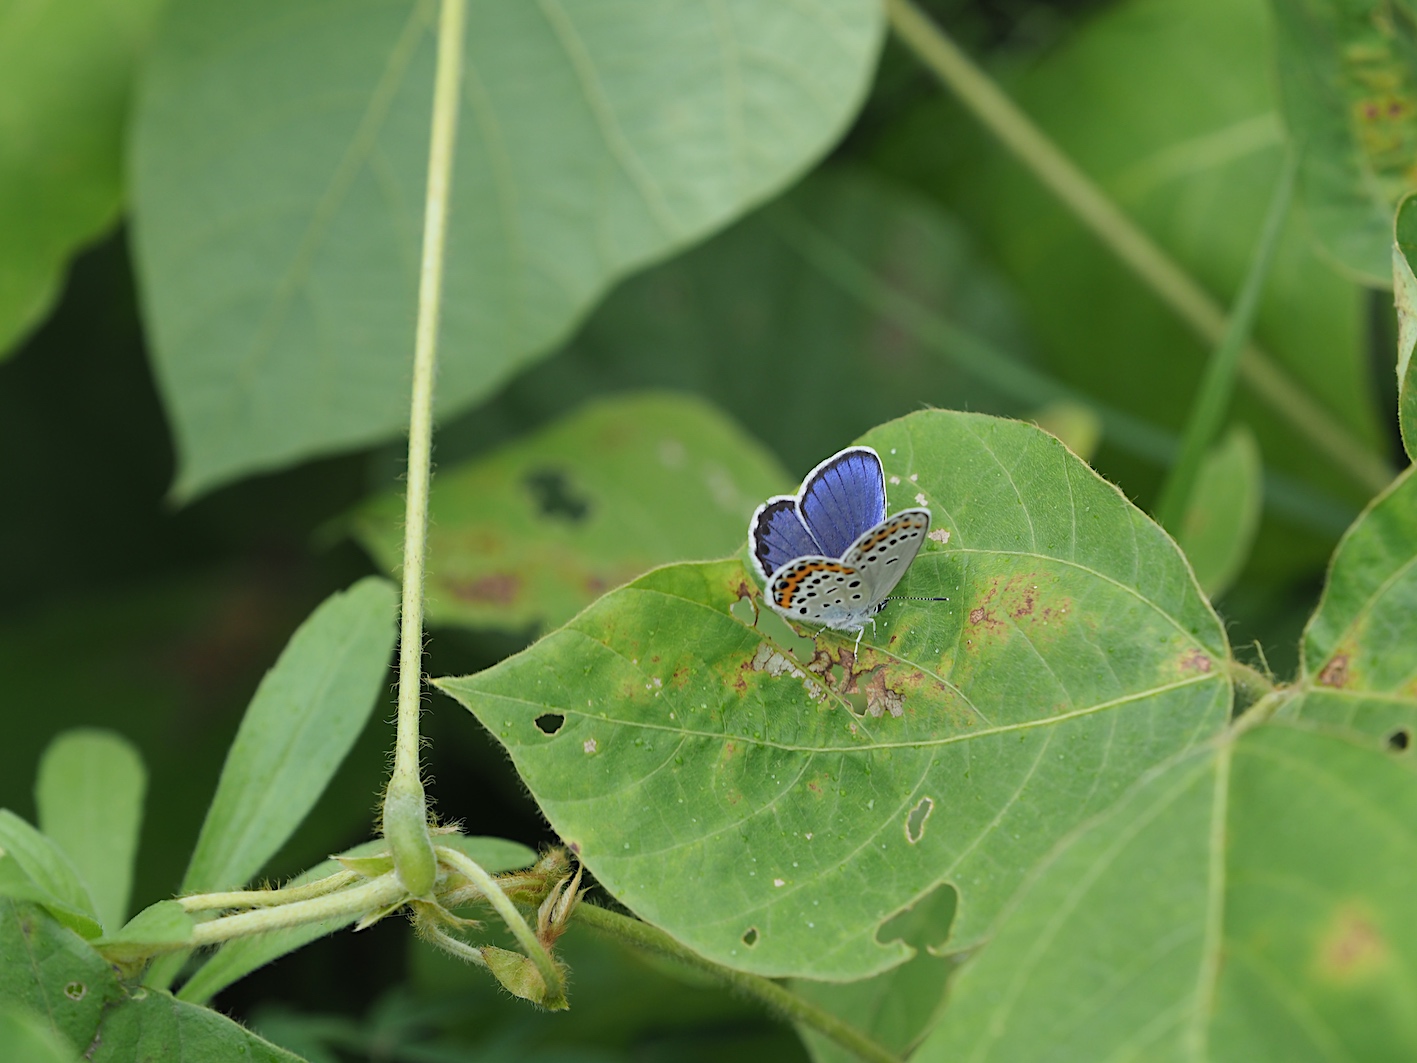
<point x="900" y="598"/>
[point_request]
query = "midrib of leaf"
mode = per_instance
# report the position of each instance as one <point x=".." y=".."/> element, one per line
<point x="933" y="743"/>
<point x="732" y="55"/>
<point x="564" y="30"/>
<point x="343" y="177"/>
<point x="1074" y="898"/>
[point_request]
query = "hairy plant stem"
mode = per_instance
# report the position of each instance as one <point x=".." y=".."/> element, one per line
<point x="1176" y="288"/>
<point x="405" y="816"/>
<point x="512" y="916"/>
<point x="354" y="901"/>
<point x="1212" y="399"/>
<point x="770" y="994"/>
<point x="205" y="902"/>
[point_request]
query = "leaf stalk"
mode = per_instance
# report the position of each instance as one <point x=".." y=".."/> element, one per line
<point x="405" y="814"/>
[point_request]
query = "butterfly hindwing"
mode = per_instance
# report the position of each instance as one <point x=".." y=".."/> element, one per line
<point x="883" y="553"/>
<point x="776" y="535"/>
<point x="821" y="590"/>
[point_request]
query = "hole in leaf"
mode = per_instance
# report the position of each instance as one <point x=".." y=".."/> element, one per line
<point x="774" y="627"/>
<point x="750" y="936"/>
<point x="1400" y="741"/>
<point x="551" y="489"/>
<point x="858" y="702"/>
<point x="549" y="722"/>
<point x="926" y="923"/>
<point x="76" y="991"/>
<point x="742" y="611"/>
<point x="915" y="822"/>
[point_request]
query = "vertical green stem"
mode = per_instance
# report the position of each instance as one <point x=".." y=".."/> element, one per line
<point x="1212" y="400"/>
<point x="1173" y="285"/>
<point x="405" y="807"/>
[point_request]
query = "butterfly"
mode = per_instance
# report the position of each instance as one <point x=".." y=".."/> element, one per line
<point x="829" y="554"/>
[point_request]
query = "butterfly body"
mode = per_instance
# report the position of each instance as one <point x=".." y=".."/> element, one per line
<point x="829" y="554"/>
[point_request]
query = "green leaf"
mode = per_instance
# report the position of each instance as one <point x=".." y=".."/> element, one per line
<point x="306" y="714"/>
<point x="898" y="1007"/>
<point x="26" y="1038"/>
<point x="534" y="532"/>
<point x="1248" y="902"/>
<point x="155" y="1025"/>
<point x="89" y="793"/>
<point x="238" y="958"/>
<point x="50" y="971"/>
<point x="1359" y="651"/>
<point x="773" y="812"/>
<point x="53" y="881"/>
<point x="1347" y="69"/>
<point x="1223" y="512"/>
<point x="1404" y="246"/>
<point x="279" y="165"/>
<point x="1168" y="106"/>
<point x="160" y="927"/>
<point x="65" y="71"/>
<point x="754" y="297"/>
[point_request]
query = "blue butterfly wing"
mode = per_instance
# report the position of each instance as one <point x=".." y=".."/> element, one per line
<point x="776" y="535"/>
<point x="842" y="498"/>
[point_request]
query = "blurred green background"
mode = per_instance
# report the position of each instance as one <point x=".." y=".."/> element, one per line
<point x="120" y="609"/>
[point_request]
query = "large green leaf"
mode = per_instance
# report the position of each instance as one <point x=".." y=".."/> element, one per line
<point x="1359" y="653"/>
<point x="1249" y="903"/>
<point x="534" y="532"/>
<point x="773" y="811"/>
<point x="753" y="311"/>
<point x="155" y="1025"/>
<point x="306" y="714"/>
<point x="1405" y="292"/>
<point x="1170" y="107"/>
<point x="279" y="166"/>
<point x="89" y="793"/>
<point x="1348" y="69"/>
<point x="50" y="971"/>
<point x="65" y="71"/>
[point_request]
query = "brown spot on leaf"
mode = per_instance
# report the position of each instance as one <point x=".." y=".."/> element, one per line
<point x="1026" y="601"/>
<point x="1196" y="661"/>
<point x="812" y="785"/>
<point x="498" y="588"/>
<point x="1335" y="673"/>
<point x="881" y="698"/>
<point x="1352" y="948"/>
<point x="977" y="614"/>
